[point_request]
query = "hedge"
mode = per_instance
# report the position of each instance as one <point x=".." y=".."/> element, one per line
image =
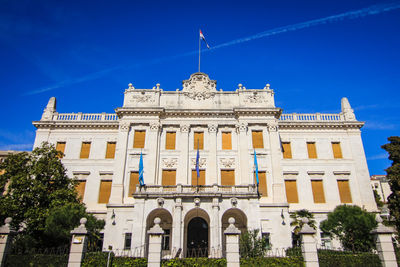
<point x="336" y="258"/>
<point x="36" y="260"/>
<point x="272" y="262"/>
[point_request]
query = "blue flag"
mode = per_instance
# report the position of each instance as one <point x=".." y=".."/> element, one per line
<point x="141" y="181"/>
<point x="197" y="160"/>
<point x="256" y="166"/>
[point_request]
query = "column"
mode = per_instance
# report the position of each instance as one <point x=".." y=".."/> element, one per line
<point x="211" y="171"/>
<point x="183" y="166"/>
<point x="117" y="189"/>
<point x="215" y="242"/>
<point x="232" y="244"/>
<point x="244" y="177"/>
<point x="152" y="156"/>
<point x="384" y="244"/>
<point x="177" y="226"/>
<point x="155" y="237"/>
<point x="309" y="245"/>
<point x="6" y="234"/>
<point x="278" y="189"/>
<point x="78" y="244"/>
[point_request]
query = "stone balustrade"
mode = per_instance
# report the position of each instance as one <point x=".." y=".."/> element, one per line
<point x="85" y="117"/>
<point x="315" y="117"/>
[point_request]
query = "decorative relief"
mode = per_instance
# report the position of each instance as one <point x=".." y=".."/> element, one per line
<point x="154" y="126"/>
<point x="124" y="126"/>
<point x="199" y="87"/>
<point x="272" y="126"/>
<point x="254" y="98"/>
<point x="142" y="98"/>
<point x="170" y="163"/>
<point x="202" y="162"/>
<point x="185" y="128"/>
<point x="227" y="163"/>
<point x="212" y="128"/>
<point x="242" y="127"/>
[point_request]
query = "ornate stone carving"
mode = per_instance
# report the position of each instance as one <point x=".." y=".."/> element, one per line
<point x="154" y="126"/>
<point x="170" y="162"/>
<point x="202" y="162"/>
<point x="212" y="128"/>
<point x="142" y="98"/>
<point x="272" y="126"/>
<point x="227" y="163"/>
<point x="241" y="127"/>
<point x="185" y="128"/>
<point x="199" y="86"/>
<point x="160" y="202"/>
<point x="124" y="126"/>
<point x="254" y="98"/>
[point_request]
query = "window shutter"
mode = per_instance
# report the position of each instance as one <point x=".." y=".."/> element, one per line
<point x="337" y="150"/>
<point x="110" y="152"/>
<point x="226" y="140"/>
<point x="60" y="147"/>
<point x="344" y="191"/>
<point x="291" y="191"/>
<point x="168" y="177"/>
<point x="202" y="178"/>
<point x="318" y="191"/>
<point x="287" y="150"/>
<point x="262" y="187"/>
<point x="312" y="150"/>
<point x="85" y="150"/>
<point x="105" y="191"/>
<point x="134" y="180"/>
<point x="170" y="140"/>
<point x="139" y="139"/>
<point x="257" y="137"/>
<point x="80" y="189"/>
<point x="198" y="139"/>
<point x="228" y="177"/>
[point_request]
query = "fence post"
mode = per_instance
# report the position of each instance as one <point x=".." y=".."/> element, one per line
<point x="155" y="237"/>
<point x="384" y="244"/>
<point x="6" y="234"/>
<point x="308" y="245"/>
<point x="232" y="244"/>
<point x="78" y="244"/>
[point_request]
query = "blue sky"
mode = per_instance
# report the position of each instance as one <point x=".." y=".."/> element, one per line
<point x="86" y="52"/>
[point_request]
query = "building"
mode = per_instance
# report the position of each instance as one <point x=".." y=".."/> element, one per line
<point x="381" y="185"/>
<point x="305" y="161"/>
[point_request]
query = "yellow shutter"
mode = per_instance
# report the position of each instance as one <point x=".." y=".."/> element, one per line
<point x="133" y="182"/>
<point x="170" y="140"/>
<point x="198" y="139"/>
<point x="139" y="138"/>
<point x="80" y="189"/>
<point x="312" y="150"/>
<point x="228" y="177"/>
<point x="85" y="150"/>
<point x="287" y="150"/>
<point x="60" y="147"/>
<point x="291" y="191"/>
<point x="337" y="150"/>
<point x="318" y="191"/>
<point x="257" y="137"/>
<point x="168" y="177"/>
<point x="110" y="152"/>
<point x="202" y="178"/>
<point x="262" y="187"/>
<point x="105" y="190"/>
<point x="344" y="191"/>
<point x="226" y="140"/>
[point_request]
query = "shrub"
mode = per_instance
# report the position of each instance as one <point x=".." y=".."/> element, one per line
<point x="335" y="258"/>
<point x="37" y="260"/>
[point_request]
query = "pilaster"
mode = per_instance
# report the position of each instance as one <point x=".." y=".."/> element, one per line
<point x="244" y="155"/>
<point x="211" y="171"/>
<point x="215" y="235"/>
<point x="177" y="225"/>
<point x="153" y="155"/>
<point x="183" y="166"/>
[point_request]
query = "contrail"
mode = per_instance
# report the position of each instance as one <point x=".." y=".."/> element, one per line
<point x="371" y="10"/>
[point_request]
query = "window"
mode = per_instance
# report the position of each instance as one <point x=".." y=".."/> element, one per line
<point x="257" y="137"/>
<point x="134" y="180"/>
<point x="262" y="187"/>
<point x="128" y="241"/>
<point x="170" y="140"/>
<point x="105" y="190"/>
<point x="80" y="189"/>
<point x="287" y="150"/>
<point x="202" y="178"/>
<point x="344" y="191"/>
<point x="291" y="191"/>
<point x="312" y="150"/>
<point x="318" y="191"/>
<point x="139" y="139"/>
<point x="60" y="147"/>
<point x="110" y="152"/>
<point x="198" y="140"/>
<point x="337" y="150"/>
<point x="226" y="140"/>
<point x="228" y="177"/>
<point x="168" y="177"/>
<point x="165" y="239"/>
<point x="266" y="237"/>
<point x="85" y="150"/>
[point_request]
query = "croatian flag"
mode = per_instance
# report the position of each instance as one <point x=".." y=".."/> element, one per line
<point x="141" y="181"/>
<point x="256" y="166"/>
<point x="204" y="39"/>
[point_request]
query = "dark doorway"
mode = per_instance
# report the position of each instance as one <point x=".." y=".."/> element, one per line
<point x="197" y="238"/>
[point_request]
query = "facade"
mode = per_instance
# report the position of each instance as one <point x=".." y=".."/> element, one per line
<point x="305" y="161"/>
<point x="381" y="185"/>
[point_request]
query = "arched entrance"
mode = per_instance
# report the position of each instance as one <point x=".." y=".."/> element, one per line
<point x="166" y="225"/>
<point x="240" y="222"/>
<point x="197" y="233"/>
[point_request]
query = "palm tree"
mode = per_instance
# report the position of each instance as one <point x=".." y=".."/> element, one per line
<point x="298" y="224"/>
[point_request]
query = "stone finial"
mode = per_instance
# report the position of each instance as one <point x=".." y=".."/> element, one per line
<point x="381" y="229"/>
<point x="131" y="86"/>
<point x="50" y="109"/>
<point x="7" y="221"/>
<point x="307" y="229"/>
<point x="304" y="220"/>
<point x="231" y="220"/>
<point x="267" y="86"/>
<point x="83" y="222"/>
<point x="232" y="229"/>
<point x="158" y="86"/>
<point x="240" y="86"/>
<point x="81" y="229"/>
<point x="156" y="229"/>
<point x="347" y="111"/>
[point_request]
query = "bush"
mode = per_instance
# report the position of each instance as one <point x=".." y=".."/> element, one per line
<point x="335" y="258"/>
<point x="194" y="262"/>
<point x="272" y="262"/>
<point x="37" y="260"/>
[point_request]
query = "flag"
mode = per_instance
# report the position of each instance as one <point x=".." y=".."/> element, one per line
<point x="141" y="181"/>
<point x="256" y="167"/>
<point x="197" y="161"/>
<point x="204" y="39"/>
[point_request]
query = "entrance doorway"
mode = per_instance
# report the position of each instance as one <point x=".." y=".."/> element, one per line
<point x="197" y="238"/>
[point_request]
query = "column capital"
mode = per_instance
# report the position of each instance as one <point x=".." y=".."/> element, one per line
<point x="241" y="127"/>
<point x="124" y="126"/>
<point x="154" y="126"/>
<point x="185" y="128"/>
<point x="272" y="126"/>
<point x="212" y="128"/>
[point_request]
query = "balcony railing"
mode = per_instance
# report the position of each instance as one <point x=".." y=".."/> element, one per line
<point x="85" y="117"/>
<point x="323" y="117"/>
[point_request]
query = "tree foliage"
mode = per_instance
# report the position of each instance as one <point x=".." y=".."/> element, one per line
<point x="352" y="226"/>
<point x="40" y="198"/>
<point x="297" y="222"/>
<point x="393" y="175"/>
<point x="251" y="244"/>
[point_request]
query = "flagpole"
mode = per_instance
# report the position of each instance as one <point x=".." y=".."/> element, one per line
<point x="199" y="49"/>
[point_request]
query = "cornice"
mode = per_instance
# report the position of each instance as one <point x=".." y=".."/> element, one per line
<point x="320" y="125"/>
<point x="276" y="112"/>
<point x="76" y="124"/>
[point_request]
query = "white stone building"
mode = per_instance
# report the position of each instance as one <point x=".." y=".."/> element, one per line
<point x="381" y="185"/>
<point x="305" y="161"/>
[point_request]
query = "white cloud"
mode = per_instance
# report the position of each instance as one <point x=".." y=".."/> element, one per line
<point x="379" y="156"/>
<point x="16" y="147"/>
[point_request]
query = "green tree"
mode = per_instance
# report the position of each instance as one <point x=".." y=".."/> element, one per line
<point x="251" y="245"/>
<point x="352" y="226"/>
<point x="393" y="175"/>
<point x="378" y="200"/>
<point x="298" y="224"/>
<point x="38" y="195"/>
